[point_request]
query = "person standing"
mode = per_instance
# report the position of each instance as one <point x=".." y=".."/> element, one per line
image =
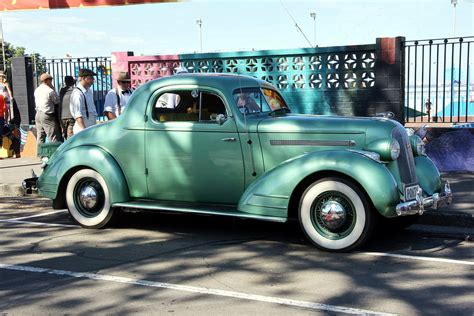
<point x="6" y="91"/>
<point x="116" y="99"/>
<point x="3" y="116"/>
<point x="82" y="105"/>
<point x="5" y="88"/>
<point x="67" y="121"/>
<point x="46" y="121"/>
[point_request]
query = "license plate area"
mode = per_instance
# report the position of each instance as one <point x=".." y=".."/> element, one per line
<point x="410" y="192"/>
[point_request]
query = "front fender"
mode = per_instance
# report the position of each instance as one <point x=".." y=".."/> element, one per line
<point x="58" y="171"/>
<point x="270" y="194"/>
<point x="428" y="175"/>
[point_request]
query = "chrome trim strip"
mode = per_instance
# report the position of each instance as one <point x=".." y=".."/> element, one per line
<point x="194" y="211"/>
<point x="272" y="196"/>
<point x="266" y="206"/>
<point x="345" y="143"/>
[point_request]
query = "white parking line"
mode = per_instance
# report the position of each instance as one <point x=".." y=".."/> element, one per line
<point x="394" y="255"/>
<point x="37" y="223"/>
<point x="193" y="289"/>
<point x="20" y="220"/>
<point x="37" y="215"/>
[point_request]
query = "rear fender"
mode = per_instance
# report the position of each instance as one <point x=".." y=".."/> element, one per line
<point x="53" y="181"/>
<point x="270" y="194"/>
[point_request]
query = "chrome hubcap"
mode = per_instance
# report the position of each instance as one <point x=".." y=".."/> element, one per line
<point x="88" y="197"/>
<point x="333" y="214"/>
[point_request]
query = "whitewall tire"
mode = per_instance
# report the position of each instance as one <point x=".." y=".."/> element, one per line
<point x="335" y="215"/>
<point x="87" y="198"/>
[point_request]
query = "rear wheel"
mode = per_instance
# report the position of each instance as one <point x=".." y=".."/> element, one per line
<point x="87" y="198"/>
<point x="335" y="215"/>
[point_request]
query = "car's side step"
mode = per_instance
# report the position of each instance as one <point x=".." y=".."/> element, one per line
<point x="211" y="209"/>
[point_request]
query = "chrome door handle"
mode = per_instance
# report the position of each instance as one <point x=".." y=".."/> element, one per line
<point x="230" y="139"/>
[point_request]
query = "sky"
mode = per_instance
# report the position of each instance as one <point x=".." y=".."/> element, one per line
<point x="171" y="28"/>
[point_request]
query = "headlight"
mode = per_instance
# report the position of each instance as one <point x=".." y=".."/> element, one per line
<point x="388" y="149"/>
<point x="417" y="145"/>
<point x="394" y="149"/>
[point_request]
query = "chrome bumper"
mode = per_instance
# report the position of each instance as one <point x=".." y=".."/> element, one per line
<point x="418" y="205"/>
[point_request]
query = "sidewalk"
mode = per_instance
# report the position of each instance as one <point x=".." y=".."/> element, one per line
<point x="13" y="171"/>
<point x="458" y="214"/>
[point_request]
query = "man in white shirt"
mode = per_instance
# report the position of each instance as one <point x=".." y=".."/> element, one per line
<point x="116" y="99"/>
<point x="82" y="102"/>
<point x="47" y="124"/>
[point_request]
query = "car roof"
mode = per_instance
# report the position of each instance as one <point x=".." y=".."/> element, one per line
<point x="219" y="80"/>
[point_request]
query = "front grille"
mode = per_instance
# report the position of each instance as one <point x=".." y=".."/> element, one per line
<point x="405" y="162"/>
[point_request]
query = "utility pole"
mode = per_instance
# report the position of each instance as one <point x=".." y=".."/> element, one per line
<point x="454" y="3"/>
<point x="3" y="46"/>
<point x="199" y="23"/>
<point x="313" y="15"/>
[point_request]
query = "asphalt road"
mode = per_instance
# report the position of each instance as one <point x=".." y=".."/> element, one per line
<point x="182" y="264"/>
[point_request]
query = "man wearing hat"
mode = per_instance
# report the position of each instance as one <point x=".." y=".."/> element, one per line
<point x="82" y="101"/>
<point x="116" y="99"/>
<point x="46" y="121"/>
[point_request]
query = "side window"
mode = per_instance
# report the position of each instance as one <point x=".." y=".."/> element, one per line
<point x="211" y="106"/>
<point x="183" y="106"/>
<point x="176" y="106"/>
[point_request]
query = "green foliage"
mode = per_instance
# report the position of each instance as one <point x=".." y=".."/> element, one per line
<point x="39" y="64"/>
<point x="17" y="51"/>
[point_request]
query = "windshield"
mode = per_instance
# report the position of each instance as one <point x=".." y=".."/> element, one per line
<point x="258" y="100"/>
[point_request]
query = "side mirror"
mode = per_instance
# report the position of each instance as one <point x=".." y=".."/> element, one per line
<point x="220" y="119"/>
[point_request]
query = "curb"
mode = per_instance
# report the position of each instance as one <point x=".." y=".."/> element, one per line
<point x="449" y="232"/>
<point x="11" y="190"/>
<point x="447" y="219"/>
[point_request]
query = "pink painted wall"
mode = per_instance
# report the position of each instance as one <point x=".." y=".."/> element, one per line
<point x="143" y="68"/>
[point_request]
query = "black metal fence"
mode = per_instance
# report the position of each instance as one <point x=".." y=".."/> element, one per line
<point x="59" y="68"/>
<point x="439" y="80"/>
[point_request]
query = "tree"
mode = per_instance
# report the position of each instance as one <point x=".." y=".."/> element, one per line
<point x="18" y="51"/>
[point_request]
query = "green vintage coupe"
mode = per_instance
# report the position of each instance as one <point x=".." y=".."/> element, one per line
<point x="228" y="145"/>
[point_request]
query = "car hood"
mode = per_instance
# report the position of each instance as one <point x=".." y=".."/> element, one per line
<point x="324" y="124"/>
<point x="300" y="134"/>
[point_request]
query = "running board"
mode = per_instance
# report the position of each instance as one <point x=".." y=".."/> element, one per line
<point x="209" y="209"/>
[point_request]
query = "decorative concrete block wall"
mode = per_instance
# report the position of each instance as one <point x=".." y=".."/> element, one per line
<point x="340" y="80"/>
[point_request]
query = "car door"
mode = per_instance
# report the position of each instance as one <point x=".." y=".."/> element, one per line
<point x="190" y="156"/>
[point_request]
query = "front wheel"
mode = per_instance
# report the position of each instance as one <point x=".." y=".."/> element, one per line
<point x="87" y="198"/>
<point x="335" y="215"/>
